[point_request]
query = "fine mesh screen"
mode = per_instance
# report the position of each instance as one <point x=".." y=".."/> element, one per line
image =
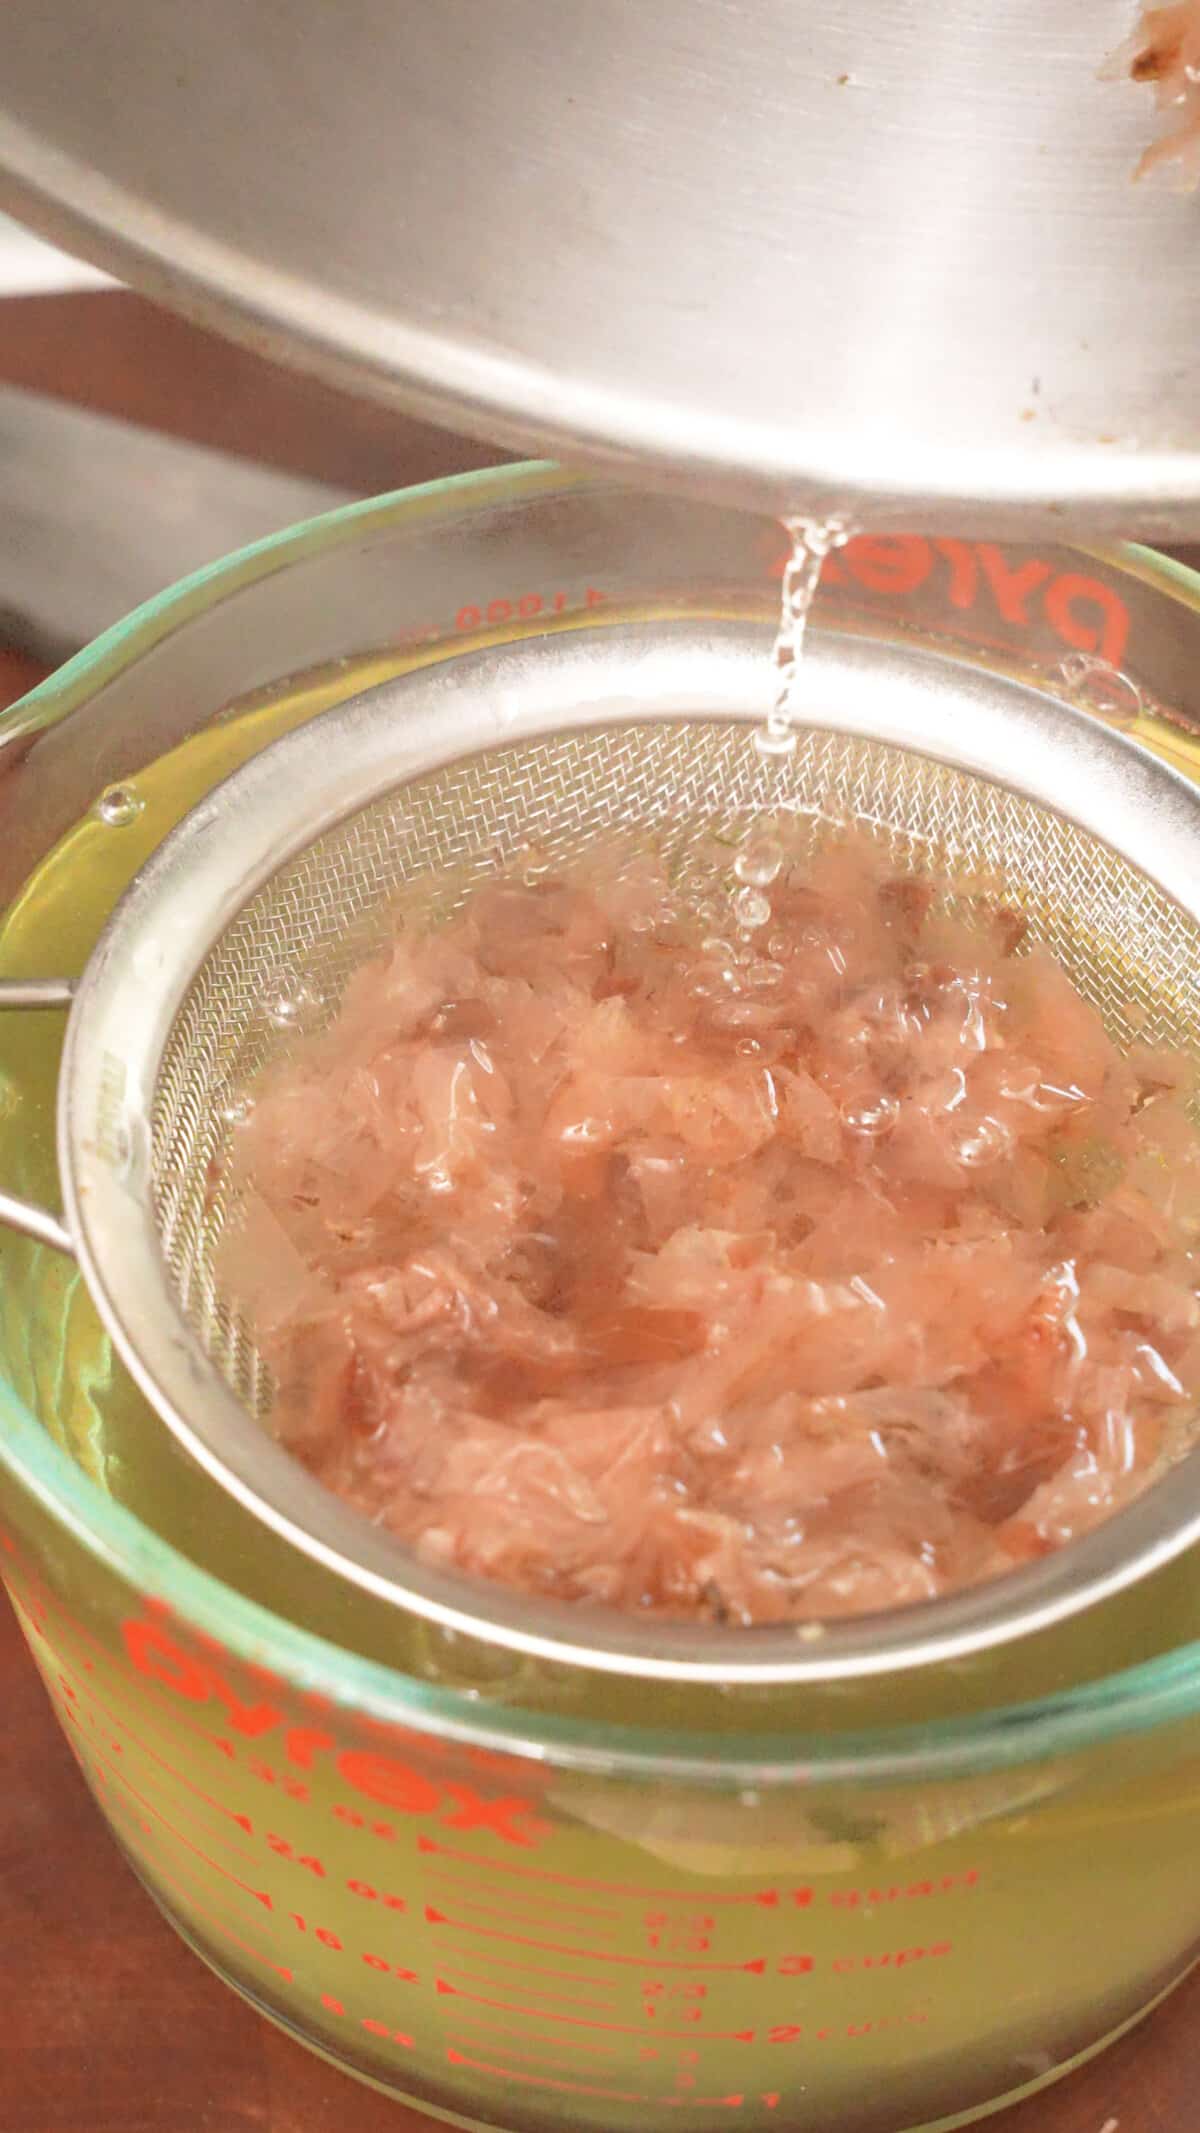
<point x="693" y="787"/>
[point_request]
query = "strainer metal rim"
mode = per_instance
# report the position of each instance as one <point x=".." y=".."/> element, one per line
<point x="182" y="899"/>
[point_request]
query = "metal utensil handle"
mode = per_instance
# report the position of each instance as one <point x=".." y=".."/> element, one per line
<point x="26" y="1215"/>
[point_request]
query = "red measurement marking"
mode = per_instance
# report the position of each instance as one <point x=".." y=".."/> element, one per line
<point x="512" y="1967"/>
<point x="242" y="1850"/>
<point x="721" y="2103"/>
<point x="293" y="1788"/>
<point x="259" y="1895"/>
<point x="327" y="1938"/>
<point x="41" y="1603"/>
<point x="594" y="1955"/>
<point x="177" y="1880"/>
<point x="1083" y="611"/>
<point x="554" y="2066"/>
<point x="482" y="1864"/>
<point x="624" y="2029"/>
<point x="948" y="1884"/>
<point x="529" y="1918"/>
<point x="220" y="1925"/>
<point x="283" y="1848"/>
<point x="380" y="2029"/>
<point x="891" y="1959"/>
<point x="579" y="2047"/>
<point x="143" y="1747"/>
<point x="582" y="2088"/>
<point x="554" y="1999"/>
<point x="573" y="1910"/>
<point x="380" y="1778"/>
<point x="353" y="1820"/>
<point x="161" y="1697"/>
<point x="499" y="611"/>
<point x="538" y="2081"/>
<point x="791" y="2032"/>
<point x="373" y="1895"/>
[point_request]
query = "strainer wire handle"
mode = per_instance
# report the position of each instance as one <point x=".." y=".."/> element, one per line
<point x="26" y="1215"/>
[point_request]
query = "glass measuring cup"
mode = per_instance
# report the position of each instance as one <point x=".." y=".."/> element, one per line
<point x="511" y="1897"/>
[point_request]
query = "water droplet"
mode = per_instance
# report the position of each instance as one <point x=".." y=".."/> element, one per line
<point x="1102" y="689"/>
<point x="872" y="1117"/>
<point x="945" y="1091"/>
<point x="532" y="866"/>
<point x="982" y="1144"/>
<point x="583" y="1132"/>
<point x="293" y="1006"/>
<point x="759" y="860"/>
<point x="737" y="1014"/>
<point x="236" y="1110"/>
<point x="119" y="805"/>
<point x="717" y="975"/>
<point x="775" y="740"/>
<point x="751" y="908"/>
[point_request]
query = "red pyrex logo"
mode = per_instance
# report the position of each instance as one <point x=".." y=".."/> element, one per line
<point x="381" y="1778"/>
<point x="1024" y="592"/>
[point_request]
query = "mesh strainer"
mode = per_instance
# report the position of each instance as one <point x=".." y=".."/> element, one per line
<point x="289" y="872"/>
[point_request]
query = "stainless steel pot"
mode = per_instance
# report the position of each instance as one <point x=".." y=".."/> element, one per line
<point x="890" y="258"/>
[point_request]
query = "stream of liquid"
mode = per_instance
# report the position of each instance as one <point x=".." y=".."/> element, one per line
<point x="761" y="855"/>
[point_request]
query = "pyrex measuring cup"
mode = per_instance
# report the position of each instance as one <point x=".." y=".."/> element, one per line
<point x="518" y="1896"/>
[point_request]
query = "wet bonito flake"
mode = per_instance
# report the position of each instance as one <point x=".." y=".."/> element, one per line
<point x="616" y="1255"/>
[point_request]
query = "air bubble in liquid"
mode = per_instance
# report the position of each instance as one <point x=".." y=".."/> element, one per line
<point x="775" y="739"/>
<point x="737" y="1014"/>
<point x="533" y="866"/>
<point x="119" y="806"/>
<point x="1103" y="689"/>
<point x="872" y="1118"/>
<point x="759" y="860"/>
<point x="751" y="909"/>
<point x="984" y="1143"/>
<point x="293" y="1006"/>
